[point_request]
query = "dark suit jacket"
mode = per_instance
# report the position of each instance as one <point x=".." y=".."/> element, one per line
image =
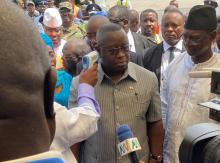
<point x="153" y="58"/>
<point x="136" y="58"/>
<point x="142" y="43"/>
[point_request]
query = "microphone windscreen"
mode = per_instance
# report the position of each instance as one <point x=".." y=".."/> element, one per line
<point x="124" y="132"/>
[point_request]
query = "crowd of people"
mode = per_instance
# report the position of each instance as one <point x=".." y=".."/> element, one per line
<point x="141" y="78"/>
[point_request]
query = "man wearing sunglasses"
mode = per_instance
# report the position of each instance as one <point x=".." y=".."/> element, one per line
<point x="127" y="94"/>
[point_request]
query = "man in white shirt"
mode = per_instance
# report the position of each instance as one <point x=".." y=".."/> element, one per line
<point x="216" y="44"/>
<point x="180" y="93"/>
<point x="77" y="124"/>
<point x="27" y="118"/>
<point x="158" y="58"/>
<point x="52" y="26"/>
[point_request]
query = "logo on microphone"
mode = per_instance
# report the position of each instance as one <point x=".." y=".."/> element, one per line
<point x="128" y="146"/>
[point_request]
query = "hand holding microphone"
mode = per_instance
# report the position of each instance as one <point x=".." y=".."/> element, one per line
<point x="128" y="143"/>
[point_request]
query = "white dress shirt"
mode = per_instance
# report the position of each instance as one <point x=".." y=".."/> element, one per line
<point x="180" y="96"/>
<point x="166" y="55"/>
<point x="215" y="48"/>
<point x="41" y="157"/>
<point x="131" y="42"/>
<point x="73" y="126"/>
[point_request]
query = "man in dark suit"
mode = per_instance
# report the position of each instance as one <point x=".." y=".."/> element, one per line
<point x="157" y="58"/>
<point x="137" y="43"/>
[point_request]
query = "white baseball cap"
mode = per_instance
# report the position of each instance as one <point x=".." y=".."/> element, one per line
<point x="52" y="18"/>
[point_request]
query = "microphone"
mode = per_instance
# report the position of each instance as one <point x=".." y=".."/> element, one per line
<point x="128" y="143"/>
<point x="203" y="73"/>
<point x="89" y="59"/>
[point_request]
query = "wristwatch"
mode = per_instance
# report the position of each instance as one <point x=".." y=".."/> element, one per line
<point x="158" y="158"/>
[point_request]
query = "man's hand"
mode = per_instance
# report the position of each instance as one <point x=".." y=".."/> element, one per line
<point x="89" y="76"/>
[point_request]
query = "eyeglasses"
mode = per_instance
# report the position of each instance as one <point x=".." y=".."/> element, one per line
<point x="116" y="50"/>
<point x="73" y="57"/>
<point x="195" y="39"/>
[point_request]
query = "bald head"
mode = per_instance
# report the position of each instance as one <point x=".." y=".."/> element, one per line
<point x="26" y="80"/>
<point x="98" y="21"/>
<point x="133" y="14"/>
<point x="120" y="15"/>
<point x="119" y="11"/>
<point x="78" y="46"/>
<point x="134" y="20"/>
<point x="170" y="7"/>
<point x="103" y="33"/>
<point x="74" y="49"/>
<point x="94" y="23"/>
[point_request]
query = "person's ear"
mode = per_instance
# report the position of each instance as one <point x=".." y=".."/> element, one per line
<point x="213" y="35"/>
<point x="125" y="22"/>
<point x="98" y="49"/>
<point x="49" y="87"/>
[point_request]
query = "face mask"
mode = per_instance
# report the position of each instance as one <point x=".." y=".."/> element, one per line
<point x="71" y="65"/>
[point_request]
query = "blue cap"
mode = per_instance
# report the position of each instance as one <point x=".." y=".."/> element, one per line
<point x="124" y="132"/>
<point x="100" y="13"/>
<point x="41" y="2"/>
<point x="93" y="8"/>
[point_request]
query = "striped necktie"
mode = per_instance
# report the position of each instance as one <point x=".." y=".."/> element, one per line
<point x="171" y="49"/>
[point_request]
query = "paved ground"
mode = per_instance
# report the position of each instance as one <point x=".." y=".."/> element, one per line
<point x="140" y="5"/>
<point x="159" y="5"/>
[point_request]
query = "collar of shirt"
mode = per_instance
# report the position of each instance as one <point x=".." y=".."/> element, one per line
<point x="191" y="65"/>
<point x="215" y="48"/>
<point x="178" y="46"/>
<point x="130" y="72"/>
<point x="131" y="42"/>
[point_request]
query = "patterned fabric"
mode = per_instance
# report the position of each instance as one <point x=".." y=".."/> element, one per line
<point x="125" y="3"/>
<point x="47" y="40"/>
<point x="157" y="39"/>
<point x="180" y="96"/>
<point x="73" y="32"/>
<point x="134" y="100"/>
<point x="59" y="54"/>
